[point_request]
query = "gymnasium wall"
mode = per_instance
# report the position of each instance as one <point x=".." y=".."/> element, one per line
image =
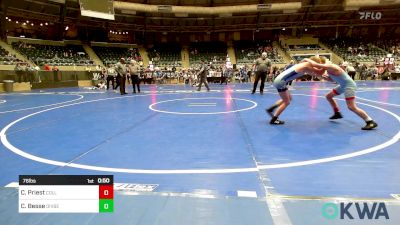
<point x="7" y="67"/>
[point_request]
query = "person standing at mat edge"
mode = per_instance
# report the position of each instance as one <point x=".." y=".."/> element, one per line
<point x="346" y="86"/>
<point x="203" y="75"/>
<point x="134" y="71"/>
<point x="110" y="77"/>
<point x="262" y="66"/>
<point x="121" y="75"/>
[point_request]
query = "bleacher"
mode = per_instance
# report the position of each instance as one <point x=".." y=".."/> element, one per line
<point x="6" y="58"/>
<point x="247" y="52"/>
<point x="214" y="52"/>
<point x="67" y="55"/>
<point x="112" y="55"/>
<point x="355" y="50"/>
<point x="391" y="46"/>
<point x="165" y="55"/>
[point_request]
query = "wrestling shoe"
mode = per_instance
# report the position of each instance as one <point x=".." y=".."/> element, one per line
<point x="370" y="125"/>
<point x="275" y="121"/>
<point x="335" y="116"/>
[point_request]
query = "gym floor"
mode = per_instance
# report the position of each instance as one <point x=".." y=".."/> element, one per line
<point x="208" y="154"/>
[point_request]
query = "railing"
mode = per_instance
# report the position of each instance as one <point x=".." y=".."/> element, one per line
<point x="45" y="76"/>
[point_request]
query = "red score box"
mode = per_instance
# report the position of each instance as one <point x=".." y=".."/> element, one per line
<point x="106" y="192"/>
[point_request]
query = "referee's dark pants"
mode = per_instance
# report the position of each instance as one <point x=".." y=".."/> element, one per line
<point x="203" y="79"/>
<point x="122" y="85"/>
<point x="352" y="74"/>
<point x="135" y="82"/>
<point x="118" y="81"/>
<point x="262" y="76"/>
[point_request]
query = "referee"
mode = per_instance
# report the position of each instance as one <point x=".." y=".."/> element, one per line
<point x="202" y="74"/>
<point x="262" y="66"/>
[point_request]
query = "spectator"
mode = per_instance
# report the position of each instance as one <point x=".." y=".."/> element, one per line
<point x="47" y="67"/>
<point x="56" y="73"/>
<point x="20" y="72"/>
<point x="134" y="70"/>
<point x="351" y="71"/>
<point x="111" y="74"/>
<point x="120" y="68"/>
<point x="30" y="73"/>
<point x="363" y="72"/>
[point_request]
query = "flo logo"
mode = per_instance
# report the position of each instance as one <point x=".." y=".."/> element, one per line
<point x="355" y="210"/>
<point x="370" y="15"/>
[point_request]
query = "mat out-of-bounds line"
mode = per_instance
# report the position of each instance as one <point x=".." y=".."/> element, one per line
<point x="8" y="145"/>
<point x="43" y="106"/>
<point x="382" y="103"/>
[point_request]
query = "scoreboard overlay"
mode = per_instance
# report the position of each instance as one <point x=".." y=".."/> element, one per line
<point x="66" y="194"/>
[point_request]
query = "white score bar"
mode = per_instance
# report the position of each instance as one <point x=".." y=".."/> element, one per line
<point x="58" y="198"/>
<point x="58" y="206"/>
<point x="59" y="192"/>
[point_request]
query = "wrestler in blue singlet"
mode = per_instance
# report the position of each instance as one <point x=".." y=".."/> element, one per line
<point x="280" y="82"/>
<point x="346" y="85"/>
